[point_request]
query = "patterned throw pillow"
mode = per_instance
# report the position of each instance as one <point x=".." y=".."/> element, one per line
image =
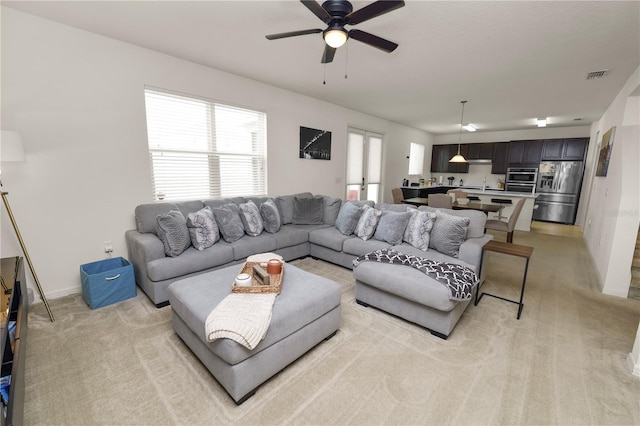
<point x="448" y="233"/>
<point x="270" y="216"/>
<point x="229" y="222"/>
<point x="203" y="228"/>
<point x="391" y="226"/>
<point x="368" y="221"/>
<point x="251" y="219"/>
<point x="172" y="230"/>
<point x="348" y="218"/>
<point x="418" y="229"/>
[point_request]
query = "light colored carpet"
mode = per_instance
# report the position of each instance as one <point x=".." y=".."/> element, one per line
<point x="563" y="362"/>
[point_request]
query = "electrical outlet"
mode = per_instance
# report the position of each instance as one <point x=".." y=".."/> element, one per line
<point x="108" y="247"/>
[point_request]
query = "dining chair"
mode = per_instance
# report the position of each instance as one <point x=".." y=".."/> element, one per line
<point x="508" y="227"/>
<point x="440" y="201"/>
<point x="458" y="193"/>
<point x="397" y="195"/>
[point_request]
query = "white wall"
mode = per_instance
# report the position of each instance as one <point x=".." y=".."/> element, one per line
<point x="77" y="99"/>
<point x="613" y="216"/>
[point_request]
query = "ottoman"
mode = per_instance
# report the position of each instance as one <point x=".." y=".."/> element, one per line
<point x="409" y="294"/>
<point x="306" y="312"/>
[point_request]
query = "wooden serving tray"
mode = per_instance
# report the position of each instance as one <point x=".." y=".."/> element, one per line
<point x="255" y="287"/>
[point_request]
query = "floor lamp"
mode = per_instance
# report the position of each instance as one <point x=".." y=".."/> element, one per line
<point x="11" y="150"/>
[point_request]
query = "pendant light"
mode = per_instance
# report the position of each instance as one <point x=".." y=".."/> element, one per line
<point x="458" y="158"/>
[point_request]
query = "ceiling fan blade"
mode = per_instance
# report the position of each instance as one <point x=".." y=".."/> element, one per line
<point x="317" y="10"/>
<point x="328" y="54"/>
<point x="374" y="9"/>
<point x="292" y="34"/>
<point x="372" y="40"/>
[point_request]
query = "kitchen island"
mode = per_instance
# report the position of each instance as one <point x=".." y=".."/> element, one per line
<point x="524" y="220"/>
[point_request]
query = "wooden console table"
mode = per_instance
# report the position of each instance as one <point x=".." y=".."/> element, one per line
<point x="513" y="250"/>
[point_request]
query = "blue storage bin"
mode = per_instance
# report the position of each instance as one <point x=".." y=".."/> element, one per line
<point x="107" y="281"/>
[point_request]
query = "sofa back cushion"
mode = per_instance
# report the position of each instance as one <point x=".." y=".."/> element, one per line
<point x="146" y="214"/>
<point x="331" y="209"/>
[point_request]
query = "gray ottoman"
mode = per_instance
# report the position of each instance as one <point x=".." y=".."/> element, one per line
<point x="306" y="312"/>
<point x="408" y="294"/>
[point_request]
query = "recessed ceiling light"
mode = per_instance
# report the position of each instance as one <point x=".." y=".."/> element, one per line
<point x="470" y="127"/>
<point x="542" y="122"/>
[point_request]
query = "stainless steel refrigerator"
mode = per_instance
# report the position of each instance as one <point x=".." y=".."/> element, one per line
<point x="559" y="190"/>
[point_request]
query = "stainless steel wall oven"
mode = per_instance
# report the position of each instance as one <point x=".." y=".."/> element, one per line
<point x="522" y="179"/>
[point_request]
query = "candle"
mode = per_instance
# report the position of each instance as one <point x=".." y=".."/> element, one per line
<point x="243" y="280"/>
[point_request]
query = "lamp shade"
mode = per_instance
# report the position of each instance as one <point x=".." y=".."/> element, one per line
<point x="11" y="148"/>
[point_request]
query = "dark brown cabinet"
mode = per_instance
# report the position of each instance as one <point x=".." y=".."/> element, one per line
<point x="441" y="154"/>
<point x="571" y="149"/>
<point x="526" y="153"/>
<point x="499" y="158"/>
<point x="481" y="151"/>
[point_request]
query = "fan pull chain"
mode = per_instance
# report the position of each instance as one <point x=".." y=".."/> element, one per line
<point x="324" y="74"/>
<point x="346" y="62"/>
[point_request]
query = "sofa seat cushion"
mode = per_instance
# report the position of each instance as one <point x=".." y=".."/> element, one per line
<point x="329" y="237"/>
<point x="290" y="235"/>
<point x="190" y="261"/>
<point x="359" y="247"/>
<point x="406" y="282"/>
<point x="248" y="245"/>
<point x="304" y="298"/>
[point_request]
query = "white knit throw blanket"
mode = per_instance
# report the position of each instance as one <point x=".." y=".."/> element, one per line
<point x="243" y="318"/>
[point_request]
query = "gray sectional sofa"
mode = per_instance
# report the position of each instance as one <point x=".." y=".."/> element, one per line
<point x="301" y="234"/>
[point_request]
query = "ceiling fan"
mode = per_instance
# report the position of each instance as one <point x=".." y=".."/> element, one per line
<point x="338" y="13"/>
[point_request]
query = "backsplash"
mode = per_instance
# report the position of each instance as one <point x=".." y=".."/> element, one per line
<point x="475" y="177"/>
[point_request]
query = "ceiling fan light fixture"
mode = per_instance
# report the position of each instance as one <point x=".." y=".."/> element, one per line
<point x="335" y="37"/>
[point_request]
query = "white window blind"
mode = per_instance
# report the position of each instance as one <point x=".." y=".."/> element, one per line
<point x="201" y="149"/>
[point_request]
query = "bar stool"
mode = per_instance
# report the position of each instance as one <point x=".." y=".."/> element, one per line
<point x="502" y="202"/>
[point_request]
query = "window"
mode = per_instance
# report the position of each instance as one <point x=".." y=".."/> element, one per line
<point x="416" y="159"/>
<point x="201" y="149"/>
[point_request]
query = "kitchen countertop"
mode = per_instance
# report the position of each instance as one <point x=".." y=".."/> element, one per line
<point x="474" y="189"/>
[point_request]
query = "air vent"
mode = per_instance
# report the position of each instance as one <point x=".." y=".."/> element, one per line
<point x="597" y="74"/>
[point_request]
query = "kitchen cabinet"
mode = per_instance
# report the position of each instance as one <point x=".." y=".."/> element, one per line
<point x="440" y="159"/>
<point x="571" y="149"/>
<point x="499" y="158"/>
<point x="527" y="153"/>
<point x="441" y="154"/>
<point x="480" y="151"/>
<point x="575" y="149"/>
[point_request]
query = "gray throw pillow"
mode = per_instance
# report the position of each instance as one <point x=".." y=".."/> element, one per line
<point x="285" y="205"/>
<point x="203" y="228"/>
<point x="308" y="211"/>
<point x="418" y="229"/>
<point x="270" y="216"/>
<point x="172" y="230"/>
<point x="348" y="218"/>
<point x="229" y="222"/>
<point x="368" y="221"/>
<point x="251" y="219"/>
<point x="448" y="233"/>
<point x="391" y="226"/>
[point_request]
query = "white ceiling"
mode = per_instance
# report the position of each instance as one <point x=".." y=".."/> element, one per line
<point x="512" y="60"/>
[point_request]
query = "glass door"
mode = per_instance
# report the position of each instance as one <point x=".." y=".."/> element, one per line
<point x="364" y="165"/>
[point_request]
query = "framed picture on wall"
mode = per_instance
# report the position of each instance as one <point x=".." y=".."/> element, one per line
<point x="605" y="152"/>
<point x="315" y="144"/>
